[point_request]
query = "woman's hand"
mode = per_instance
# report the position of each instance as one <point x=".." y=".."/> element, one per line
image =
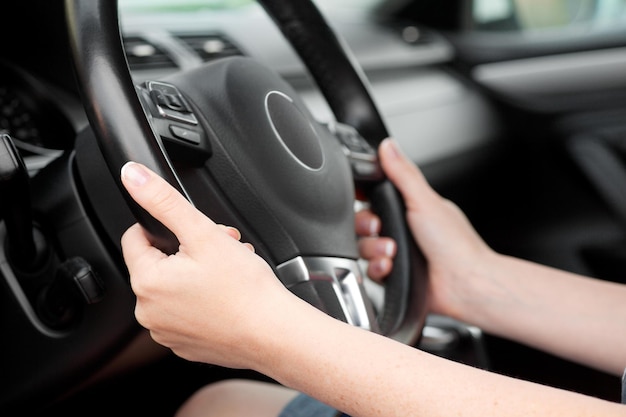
<point x="226" y="278"/>
<point x="209" y="300"/>
<point x="455" y="253"/>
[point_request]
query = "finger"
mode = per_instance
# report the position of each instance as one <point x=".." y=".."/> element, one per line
<point x="231" y="231"/>
<point x="161" y="200"/>
<point x="136" y="249"/>
<point x="376" y="247"/>
<point x="379" y="268"/>
<point x="404" y="174"/>
<point x="379" y="253"/>
<point x="236" y="234"/>
<point x="366" y="223"/>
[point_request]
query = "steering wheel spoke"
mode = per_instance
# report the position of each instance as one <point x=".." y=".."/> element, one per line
<point x="334" y="285"/>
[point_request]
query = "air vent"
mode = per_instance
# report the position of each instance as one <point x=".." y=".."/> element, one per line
<point x="144" y="55"/>
<point x="210" y="46"/>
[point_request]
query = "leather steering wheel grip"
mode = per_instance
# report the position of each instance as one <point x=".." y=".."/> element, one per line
<point x="335" y="71"/>
<point x="94" y="34"/>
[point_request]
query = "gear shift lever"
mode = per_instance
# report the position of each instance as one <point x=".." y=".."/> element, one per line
<point x="15" y="205"/>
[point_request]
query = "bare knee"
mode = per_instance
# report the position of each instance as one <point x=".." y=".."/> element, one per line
<point x="237" y="397"/>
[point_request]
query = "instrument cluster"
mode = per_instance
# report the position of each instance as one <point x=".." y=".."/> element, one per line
<point x="30" y="114"/>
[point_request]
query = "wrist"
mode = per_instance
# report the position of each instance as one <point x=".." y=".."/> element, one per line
<point x="283" y="321"/>
<point x="461" y="292"/>
<point x="486" y="291"/>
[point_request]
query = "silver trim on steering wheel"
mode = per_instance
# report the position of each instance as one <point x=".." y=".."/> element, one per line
<point x="347" y="282"/>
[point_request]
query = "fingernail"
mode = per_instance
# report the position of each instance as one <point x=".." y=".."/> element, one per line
<point x="380" y="266"/>
<point x="374" y="226"/>
<point x="393" y="147"/>
<point x="370" y="225"/>
<point x="135" y="173"/>
<point x="389" y="248"/>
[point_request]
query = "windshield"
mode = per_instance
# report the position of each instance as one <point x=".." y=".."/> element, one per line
<point x="176" y="6"/>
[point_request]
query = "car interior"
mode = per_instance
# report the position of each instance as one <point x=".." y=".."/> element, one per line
<point x="513" y="109"/>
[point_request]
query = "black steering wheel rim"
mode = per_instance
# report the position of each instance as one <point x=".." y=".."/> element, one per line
<point x="108" y="89"/>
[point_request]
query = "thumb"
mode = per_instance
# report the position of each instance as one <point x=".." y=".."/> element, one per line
<point x="404" y="174"/>
<point x="160" y="199"/>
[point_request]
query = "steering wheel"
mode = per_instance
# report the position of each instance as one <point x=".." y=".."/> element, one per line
<point x="239" y="143"/>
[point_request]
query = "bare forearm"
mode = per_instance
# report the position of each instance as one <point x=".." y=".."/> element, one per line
<point x="578" y="318"/>
<point x="365" y="374"/>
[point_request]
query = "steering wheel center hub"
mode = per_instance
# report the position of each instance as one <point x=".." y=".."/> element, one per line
<point x="294" y="130"/>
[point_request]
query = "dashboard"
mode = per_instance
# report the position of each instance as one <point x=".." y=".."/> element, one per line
<point x="432" y="113"/>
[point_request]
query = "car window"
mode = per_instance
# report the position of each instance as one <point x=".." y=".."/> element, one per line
<point x="536" y="15"/>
